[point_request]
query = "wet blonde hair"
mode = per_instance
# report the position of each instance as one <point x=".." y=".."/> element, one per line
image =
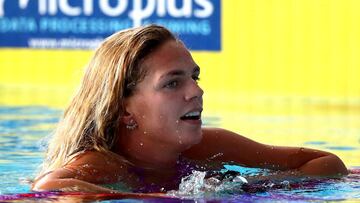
<point x="92" y="120"/>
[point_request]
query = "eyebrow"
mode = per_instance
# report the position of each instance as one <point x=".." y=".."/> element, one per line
<point x="179" y="72"/>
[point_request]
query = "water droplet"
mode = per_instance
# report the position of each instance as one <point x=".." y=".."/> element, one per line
<point x="240" y="179"/>
<point x="177" y="121"/>
<point x="286" y="184"/>
<point x="145" y="132"/>
<point x="141" y="144"/>
<point x="216" y="155"/>
<point x="86" y="166"/>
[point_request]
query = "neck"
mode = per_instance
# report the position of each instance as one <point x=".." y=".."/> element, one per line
<point x="141" y="151"/>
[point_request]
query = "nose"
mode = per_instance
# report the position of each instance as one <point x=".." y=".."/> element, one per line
<point x="194" y="91"/>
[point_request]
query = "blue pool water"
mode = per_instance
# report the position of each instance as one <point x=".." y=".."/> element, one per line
<point x="23" y="129"/>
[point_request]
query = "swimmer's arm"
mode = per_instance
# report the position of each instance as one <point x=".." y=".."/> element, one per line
<point x="328" y="165"/>
<point x="63" y="180"/>
<point x="225" y="146"/>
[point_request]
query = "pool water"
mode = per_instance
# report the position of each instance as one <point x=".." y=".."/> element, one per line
<point x="23" y="130"/>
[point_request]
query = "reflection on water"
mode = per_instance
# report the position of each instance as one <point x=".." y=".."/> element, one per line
<point x="23" y="128"/>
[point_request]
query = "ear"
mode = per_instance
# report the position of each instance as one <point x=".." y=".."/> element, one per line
<point x="127" y="118"/>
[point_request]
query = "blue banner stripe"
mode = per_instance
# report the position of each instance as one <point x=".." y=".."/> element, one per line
<point x="83" y="24"/>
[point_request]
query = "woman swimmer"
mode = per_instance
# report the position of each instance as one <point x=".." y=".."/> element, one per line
<point x="136" y="119"/>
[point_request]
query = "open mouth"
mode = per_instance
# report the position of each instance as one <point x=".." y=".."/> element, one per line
<point x="194" y="115"/>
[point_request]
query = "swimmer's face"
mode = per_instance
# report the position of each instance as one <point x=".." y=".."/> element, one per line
<point x="167" y="103"/>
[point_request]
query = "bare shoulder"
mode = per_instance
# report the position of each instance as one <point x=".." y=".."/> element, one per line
<point x="93" y="167"/>
<point x="211" y="133"/>
<point x="225" y="142"/>
<point x="96" y="159"/>
<point x="98" y="167"/>
<point x="218" y="137"/>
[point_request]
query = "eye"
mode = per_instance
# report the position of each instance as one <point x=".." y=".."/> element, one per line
<point x="172" y="84"/>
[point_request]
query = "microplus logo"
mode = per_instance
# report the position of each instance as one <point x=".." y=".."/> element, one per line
<point x="196" y="21"/>
<point x="140" y="10"/>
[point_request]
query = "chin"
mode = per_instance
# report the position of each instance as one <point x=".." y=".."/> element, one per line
<point x="196" y="138"/>
<point x="190" y="138"/>
<point x="199" y="136"/>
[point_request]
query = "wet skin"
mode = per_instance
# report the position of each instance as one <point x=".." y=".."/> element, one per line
<point x="168" y="92"/>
